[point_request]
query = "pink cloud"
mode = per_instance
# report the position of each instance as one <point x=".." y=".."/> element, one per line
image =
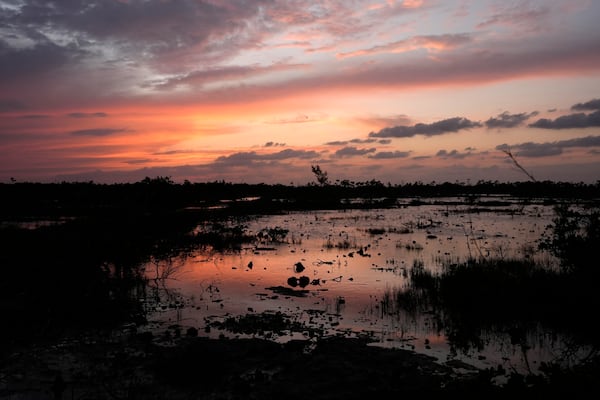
<point x="502" y="62"/>
<point x="430" y="43"/>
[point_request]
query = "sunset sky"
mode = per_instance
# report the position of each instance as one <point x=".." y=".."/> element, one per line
<point x="259" y="90"/>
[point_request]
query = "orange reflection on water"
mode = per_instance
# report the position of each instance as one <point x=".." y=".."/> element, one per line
<point x="338" y="270"/>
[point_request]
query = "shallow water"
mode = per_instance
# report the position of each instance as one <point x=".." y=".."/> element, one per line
<point x="348" y="259"/>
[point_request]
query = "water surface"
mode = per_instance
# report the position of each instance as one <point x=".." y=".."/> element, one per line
<point x="332" y="270"/>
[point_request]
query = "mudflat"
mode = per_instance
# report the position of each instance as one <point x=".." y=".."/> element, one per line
<point x="141" y="366"/>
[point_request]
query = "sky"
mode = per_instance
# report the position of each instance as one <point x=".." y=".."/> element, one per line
<point x="258" y="91"/>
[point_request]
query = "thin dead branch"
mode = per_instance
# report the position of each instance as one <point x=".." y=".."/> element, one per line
<point x="514" y="160"/>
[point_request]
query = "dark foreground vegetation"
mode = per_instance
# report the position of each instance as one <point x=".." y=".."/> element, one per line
<point x="199" y="368"/>
<point x="71" y="257"/>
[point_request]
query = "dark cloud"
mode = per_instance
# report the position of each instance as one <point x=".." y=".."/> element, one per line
<point x="384" y="141"/>
<point x="290" y="153"/>
<point x="353" y="141"/>
<point x="531" y="149"/>
<point x="351" y="151"/>
<point x="436" y="128"/>
<point x="506" y="120"/>
<point x="361" y="141"/>
<point x="452" y="154"/>
<point x="274" y="144"/>
<point x="242" y="158"/>
<point x="577" y="120"/>
<point x="172" y="152"/>
<point x="155" y="26"/>
<point x="390" y="154"/>
<point x="44" y="39"/>
<point x="97" y="132"/>
<point x="87" y="115"/>
<point x="41" y="59"/>
<point x="591" y="105"/>
<point x="245" y="158"/>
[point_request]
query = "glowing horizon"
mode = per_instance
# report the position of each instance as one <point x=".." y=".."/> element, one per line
<point x="396" y="91"/>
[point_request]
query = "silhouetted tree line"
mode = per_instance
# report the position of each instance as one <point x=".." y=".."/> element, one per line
<point x="153" y="194"/>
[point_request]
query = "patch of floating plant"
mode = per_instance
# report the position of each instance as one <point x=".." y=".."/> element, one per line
<point x="259" y="249"/>
<point x="274" y="322"/>
<point x="286" y="291"/>
<point x="299" y="267"/>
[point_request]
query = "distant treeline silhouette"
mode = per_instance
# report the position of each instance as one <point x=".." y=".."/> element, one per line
<point x="152" y="194"/>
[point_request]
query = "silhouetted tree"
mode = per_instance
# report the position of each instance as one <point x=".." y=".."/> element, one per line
<point x="321" y="175"/>
<point x="574" y="237"/>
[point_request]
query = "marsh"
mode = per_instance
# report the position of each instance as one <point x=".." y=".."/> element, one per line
<point x="139" y="286"/>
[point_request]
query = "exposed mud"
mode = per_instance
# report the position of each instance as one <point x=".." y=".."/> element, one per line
<point x="143" y="366"/>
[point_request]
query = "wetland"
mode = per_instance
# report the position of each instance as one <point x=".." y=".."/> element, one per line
<point x="218" y="290"/>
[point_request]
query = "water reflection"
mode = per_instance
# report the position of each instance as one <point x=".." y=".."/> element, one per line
<point x="338" y="273"/>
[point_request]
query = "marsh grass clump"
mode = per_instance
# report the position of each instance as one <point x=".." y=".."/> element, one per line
<point x="272" y="235"/>
<point x="343" y="243"/>
<point x="497" y="294"/>
<point x="413" y="299"/>
<point x="503" y="294"/>
<point x="223" y="237"/>
<point x="422" y="278"/>
<point x="499" y="289"/>
<point x="397" y="300"/>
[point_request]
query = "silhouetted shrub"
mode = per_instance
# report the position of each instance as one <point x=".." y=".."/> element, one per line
<point x="574" y="238"/>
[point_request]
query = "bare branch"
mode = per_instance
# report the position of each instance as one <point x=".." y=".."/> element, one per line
<point x="514" y="160"/>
